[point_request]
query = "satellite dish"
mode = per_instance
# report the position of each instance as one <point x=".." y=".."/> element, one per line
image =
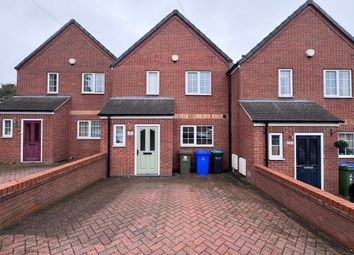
<point x="310" y="53"/>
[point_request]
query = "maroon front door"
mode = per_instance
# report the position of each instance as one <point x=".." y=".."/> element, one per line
<point x="31" y="140"/>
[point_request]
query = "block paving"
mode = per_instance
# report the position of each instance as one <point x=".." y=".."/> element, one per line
<point x="172" y="215"/>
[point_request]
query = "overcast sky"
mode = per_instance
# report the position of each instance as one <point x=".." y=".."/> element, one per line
<point x="234" y="25"/>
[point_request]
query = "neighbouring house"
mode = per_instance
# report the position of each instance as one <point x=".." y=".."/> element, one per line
<point x="292" y="99"/>
<point x="283" y="104"/>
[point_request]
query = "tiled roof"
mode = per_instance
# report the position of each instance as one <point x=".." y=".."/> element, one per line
<point x="33" y="103"/>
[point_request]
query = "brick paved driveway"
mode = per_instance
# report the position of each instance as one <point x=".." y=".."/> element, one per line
<point x="14" y="172"/>
<point x="178" y="215"/>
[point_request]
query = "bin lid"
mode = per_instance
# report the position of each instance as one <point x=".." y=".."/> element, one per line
<point x="217" y="152"/>
<point x="184" y="152"/>
<point x="347" y="164"/>
<point x="201" y="152"/>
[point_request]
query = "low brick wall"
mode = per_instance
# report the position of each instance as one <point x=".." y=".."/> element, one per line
<point x="329" y="213"/>
<point x="23" y="197"/>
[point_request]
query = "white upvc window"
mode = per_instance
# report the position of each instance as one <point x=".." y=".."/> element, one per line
<point x="119" y="136"/>
<point x="337" y="83"/>
<point x="285" y="82"/>
<point x="88" y="129"/>
<point x="152" y="82"/>
<point x="7" y="127"/>
<point x="349" y="151"/>
<point x="53" y="83"/>
<point x="93" y="83"/>
<point x="275" y="146"/>
<point x="197" y="136"/>
<point x="198" y="83"/>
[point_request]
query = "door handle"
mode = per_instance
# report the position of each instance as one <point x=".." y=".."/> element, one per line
<point x="137" y="152"/>
<point x="147" y="153"/>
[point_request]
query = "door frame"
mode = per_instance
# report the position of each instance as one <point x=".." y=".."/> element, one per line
<point x="22" y="123"/>
<point x="136" y="142"/>
<point x="322" y="154"/>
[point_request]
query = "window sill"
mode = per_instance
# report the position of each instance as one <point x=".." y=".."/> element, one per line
<point x="289" y="96"/>
<point x="88" y="138"/>
<point x="198" y="94"/>
<point x="118" y="146"/>
<point x="6" y="137"/>
<point x="276" y="159"/>
<point x="345" y="156"/>
<point x="196" y="146"/>
<point x="87" y="93"/>
<point x="52" y="93"/>
<point x="337" y="97"/>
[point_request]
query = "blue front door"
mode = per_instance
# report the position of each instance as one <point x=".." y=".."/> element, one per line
<point x="308" y="160"/>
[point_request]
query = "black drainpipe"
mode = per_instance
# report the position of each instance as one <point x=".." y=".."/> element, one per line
<point x="108" y="167"/>
<point x="266" y="143"/>
<point x="230" y="120"/>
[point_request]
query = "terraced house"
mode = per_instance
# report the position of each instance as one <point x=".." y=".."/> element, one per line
<point x="283" y="104"/>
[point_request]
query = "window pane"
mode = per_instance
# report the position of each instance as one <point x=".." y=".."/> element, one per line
<point x="99" y="82"/>
<point x="83" y="129"/>
<point x="152" y="140"/>
<point x="331" y="83"/>
<point x="301" y="153"/>
<point x="314" y="151"/>
<point x="285" y="82"/>
<point x="53" y="82"/>
<point x="88" y="82"/>
<point x="7" y="127"/>
<point x="188" y="135"/>
<point x="142" y="140"/>
<point x="344" y="83"/>
<point x="204" y="135"/>
<point x="349" y="138"/>
<point x="119" y="135"/>
<point x="192" y="82"/>
<point x="95" y="129"/>
<point x="205" y="83"/>
<point x="36" y="132"/>
<point x="152" y="83"/>
<point x="275" y="150"/>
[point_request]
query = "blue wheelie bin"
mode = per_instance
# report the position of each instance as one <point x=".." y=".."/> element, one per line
<point x="202" y="162"/>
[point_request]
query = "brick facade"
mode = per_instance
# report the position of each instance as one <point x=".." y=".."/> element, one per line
<point x="257" y="78"/>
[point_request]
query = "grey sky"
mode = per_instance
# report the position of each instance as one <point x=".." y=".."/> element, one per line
<point x="235" y="26"/>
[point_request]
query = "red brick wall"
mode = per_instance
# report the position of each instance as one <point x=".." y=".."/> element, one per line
<point x="23" y="197"/>
<point x="122" y="158"/>
<point x="258" y="78"/>
<point x="71" y="43"/>
<point x="60" y="133"/>
<point x="79" y="148"/>
<point x="329" y="213"/>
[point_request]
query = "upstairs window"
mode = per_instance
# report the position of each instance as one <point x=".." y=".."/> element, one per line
<point x="349" y="151"/>
<point x="197" y="136"/>
<point x="198" y="83"/>
<point x="275" y="149"/>
<point x="93" y="83"/>
<point x="285" y="83"/>
<point x="53" y="83"/>
<point x="152" y="82"/>
<point x="7" y="125"/>
<point x="338" y="83"/>
<point x="88" y="129"/>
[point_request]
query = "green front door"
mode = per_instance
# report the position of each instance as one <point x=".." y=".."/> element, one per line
<point x="147" y="156"/>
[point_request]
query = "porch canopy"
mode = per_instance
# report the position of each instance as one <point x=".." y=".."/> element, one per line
<point x="139" y="106"/>
<point x="287" y="111"/>
<point x="33" y="103"/>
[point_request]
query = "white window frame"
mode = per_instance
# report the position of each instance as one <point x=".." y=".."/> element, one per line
<point x="3" y="128"/>
<point x="94" y="78"/>
<point x="147" y="83"/>
<point x="291" y="83"/>
<point x="345" y="156"/>
<point x="48" y="80"/>
<point x="195" y="136"/>
<point x="281" y="147"/>
<point x="337" y="83"/>
<point x="89" y="128"/>
<point x="115" y="144"/>
<point x="198" y="93"/>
